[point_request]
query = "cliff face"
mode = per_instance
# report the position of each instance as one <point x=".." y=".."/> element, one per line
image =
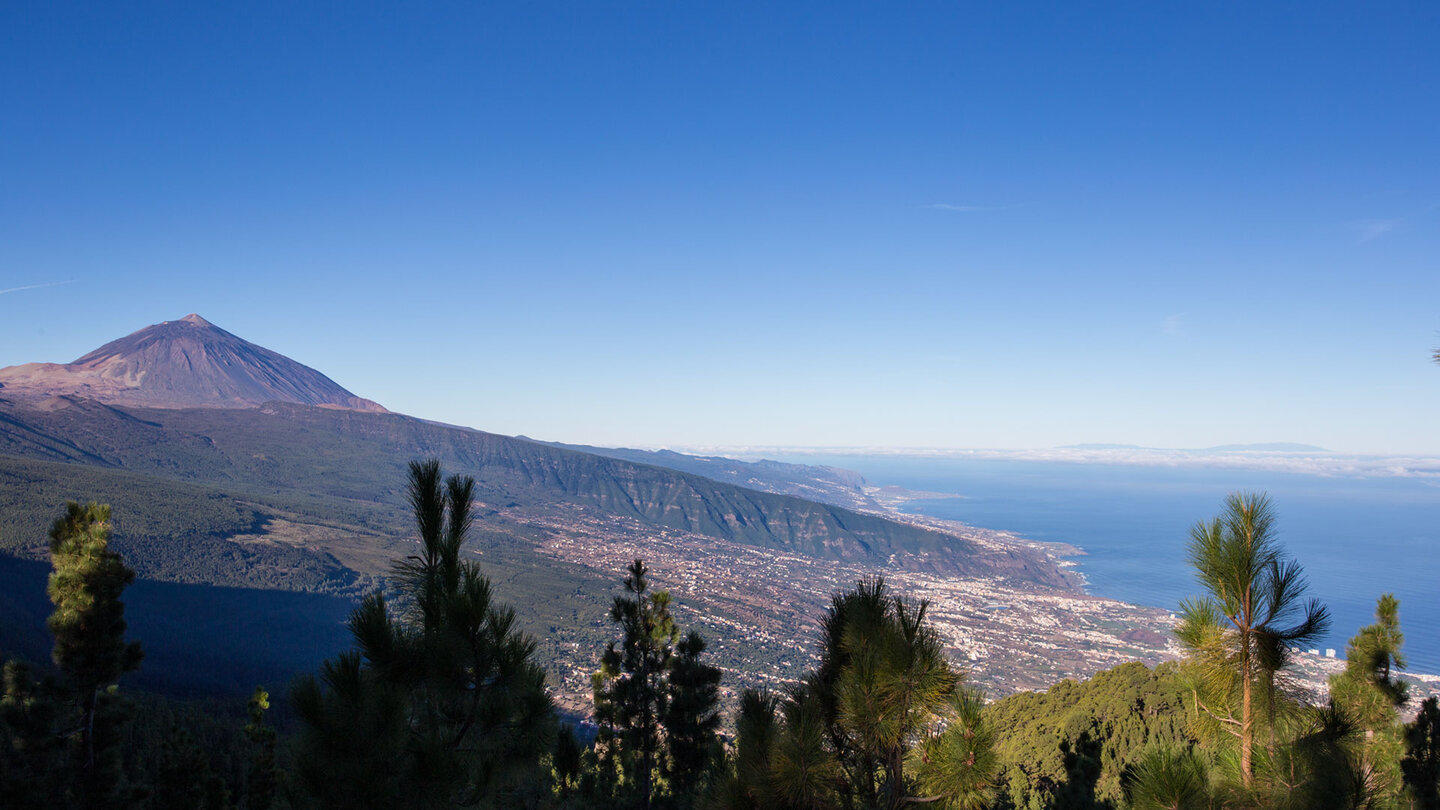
<point x="832" y="485"/>
<point x="187" y="363"/>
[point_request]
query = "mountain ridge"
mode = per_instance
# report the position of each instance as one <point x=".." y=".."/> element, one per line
<point x="832" y="485"/>
<point x="360" y="455"/>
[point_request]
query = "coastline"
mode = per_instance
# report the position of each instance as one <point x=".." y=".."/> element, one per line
<point x="893" y="500"/>
<point x="1311" y="671"/>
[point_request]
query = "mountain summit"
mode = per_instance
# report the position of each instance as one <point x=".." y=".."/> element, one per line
<point x="189" y="363"/>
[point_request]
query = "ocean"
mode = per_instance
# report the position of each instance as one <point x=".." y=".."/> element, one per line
<point x="1356" y="538"/>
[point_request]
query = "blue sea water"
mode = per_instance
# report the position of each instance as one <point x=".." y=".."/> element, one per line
<point x="1356" y="537"/>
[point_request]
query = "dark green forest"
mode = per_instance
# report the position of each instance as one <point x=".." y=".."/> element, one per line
<point x="436" y="696"/>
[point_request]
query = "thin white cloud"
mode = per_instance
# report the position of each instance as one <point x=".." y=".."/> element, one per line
<point x="1173" y="325"/>
<point x="969" y="209"/>
<point x="37" y="286"/>
<point x="1371" y="229"/>
<point x="1318" y="463"/>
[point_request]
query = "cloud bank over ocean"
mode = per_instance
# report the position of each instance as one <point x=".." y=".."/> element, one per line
<point x="1303" y="462"/>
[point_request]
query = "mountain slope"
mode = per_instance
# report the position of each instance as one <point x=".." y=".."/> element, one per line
<point x="272" y="496"/>
<point x="362" y="456"/>
<point x="181" y="364"/>
<point x="832" y="485"/>
<point x="189" y="401"/>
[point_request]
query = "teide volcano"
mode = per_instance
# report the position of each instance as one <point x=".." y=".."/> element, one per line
<point x="187" y="363"/>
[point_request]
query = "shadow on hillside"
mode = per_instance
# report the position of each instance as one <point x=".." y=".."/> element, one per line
<point x="199" y="640"/>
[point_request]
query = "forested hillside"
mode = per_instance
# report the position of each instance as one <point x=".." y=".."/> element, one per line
<point x="832" y="485"/>
<point x="349" y="455"/>
<point x="444" y="694"/>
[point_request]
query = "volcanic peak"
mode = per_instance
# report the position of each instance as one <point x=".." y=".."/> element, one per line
<point x="182" y="364"/>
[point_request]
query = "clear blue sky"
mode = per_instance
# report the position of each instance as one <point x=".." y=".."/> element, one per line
<point x="679" y="223"/>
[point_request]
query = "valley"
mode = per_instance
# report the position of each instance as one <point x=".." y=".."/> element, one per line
<point x="299" y="498"/>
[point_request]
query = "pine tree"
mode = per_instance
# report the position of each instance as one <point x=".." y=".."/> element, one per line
<point x="959" y="764"/>
<point x="1240" y="634"/>
<point x="883" y="722"/>
<point x="31" y="745"/>
<point x="630" y="689"/>
<point x="1169" y="778"/>
<point x="804" y="773"/>
<point x="691" y="718"/>
<point x="262" y="777"/>
<point x="1369" y="693"/>
<point x="351" y="749"/>
<point x="1372" y="659"/>
<point x="1421" y="764"/>
<point x="655" y="702"/>
<point x="442" y="704"/>
<point x="184" y="778"/>
<point x="90" y="648"/>
<point x="567" y="760"/>
<point x="745" y="783"/>
<point x="888" y="697"/>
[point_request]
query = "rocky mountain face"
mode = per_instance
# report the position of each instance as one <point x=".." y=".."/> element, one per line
<point x="189" y="363"/>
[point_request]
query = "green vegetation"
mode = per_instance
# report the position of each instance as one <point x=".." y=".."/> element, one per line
<point x="1370" y="695"/>
<point x="91" y="653"/>
<point x="884" y="722"/>
<point x="655" y="704"/>
<point x="1072" y="745"/>
<point x="350" y="456"/>
<point x="290" y="499"/>
<point x="71" y="739"/>
<point x="1236" y="635"/>
<point x="1421" y="765"/>
<point x="1257" y="745"/>
<point x="177" y="531"/>
<point x="262" y="774"/>
<point x="442" y="704"/>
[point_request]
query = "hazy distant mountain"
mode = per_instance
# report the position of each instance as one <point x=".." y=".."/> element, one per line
<point x="187" y="363"/>
<point x="1268" y="447"/>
